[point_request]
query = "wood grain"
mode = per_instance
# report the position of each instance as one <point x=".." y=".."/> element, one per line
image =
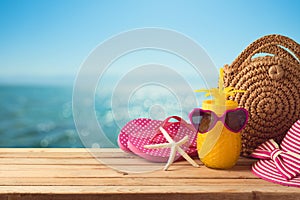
<point x="79" y="174"/>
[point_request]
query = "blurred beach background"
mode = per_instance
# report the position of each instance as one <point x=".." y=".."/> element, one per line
<point x="44" y="42"/>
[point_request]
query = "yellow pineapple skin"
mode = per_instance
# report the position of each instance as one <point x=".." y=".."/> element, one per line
<point x="226" y="150"/>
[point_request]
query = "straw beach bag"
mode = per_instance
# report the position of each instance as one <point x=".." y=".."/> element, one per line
<point x="269" y="71"/>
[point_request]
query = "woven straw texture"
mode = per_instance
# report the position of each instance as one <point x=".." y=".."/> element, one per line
<point x="269" y="71"/>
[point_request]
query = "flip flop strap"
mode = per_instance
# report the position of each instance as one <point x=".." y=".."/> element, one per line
<point x="166" y="123"/>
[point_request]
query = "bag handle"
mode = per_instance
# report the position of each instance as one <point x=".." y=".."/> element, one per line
<point x="273" y="44"/>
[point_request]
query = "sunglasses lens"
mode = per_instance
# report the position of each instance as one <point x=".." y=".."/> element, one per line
<point x="236" y="120"/>
<point x="202" y="120"/>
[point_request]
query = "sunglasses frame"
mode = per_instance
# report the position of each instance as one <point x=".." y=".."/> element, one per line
<point x="216" y="118"/>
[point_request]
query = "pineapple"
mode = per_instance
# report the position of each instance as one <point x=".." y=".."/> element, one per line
<point x="219" y="148"/>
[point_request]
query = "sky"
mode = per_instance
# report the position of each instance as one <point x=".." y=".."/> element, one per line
<point x="46" y="41"/>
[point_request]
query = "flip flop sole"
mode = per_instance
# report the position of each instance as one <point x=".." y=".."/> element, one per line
<point x="140" y="132"/>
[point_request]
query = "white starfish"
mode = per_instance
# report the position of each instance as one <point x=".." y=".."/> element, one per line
<point x="175" y="146"/>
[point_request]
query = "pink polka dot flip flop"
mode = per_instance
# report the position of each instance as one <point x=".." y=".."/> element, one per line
<point x="140" y="132"/>
<point x="133" y="126"/>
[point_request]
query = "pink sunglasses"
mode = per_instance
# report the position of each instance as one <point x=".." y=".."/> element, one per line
<point x="204" y="120"/>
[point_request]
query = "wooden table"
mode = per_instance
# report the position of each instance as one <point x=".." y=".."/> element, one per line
<point x="76" y="174"/>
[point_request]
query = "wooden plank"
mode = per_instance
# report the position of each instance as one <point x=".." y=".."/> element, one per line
<point x="173" y="196"/>
<point x="82" y="161"/>
<point x="76" y="174"/>
<point x="78" y="153"/>
<point x="62" y="155"/>
<point x="110" y="189"/>
<point x="79" y="161"/>
<point x="110" y="156"/>
<point x="59" y="150"/>
<point x="103" y="171"/>
<point x="48" y="161"/>
<point x="91" y="181"/>
<point x="91" y="161"/>
<point x="146" y="189"/>
<point x="70" y="153"/>
<point x="280" y="195"/>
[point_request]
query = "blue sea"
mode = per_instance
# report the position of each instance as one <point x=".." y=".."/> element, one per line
<point x="41" y="116"/>
<point x="37" y="116"/>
